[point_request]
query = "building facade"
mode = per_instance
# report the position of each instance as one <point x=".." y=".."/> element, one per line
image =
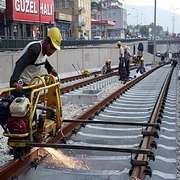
<point x="73" y="17"/>
<point x="22" y="19"/>
<point x="119" y="16"/>
<point x="2" y="17"/>
<point x="113" y="12"/>
<point x="29" y="19"/>
<point x="64" y="16"/>
<point x="100" y="24"/>
<point x="82" y="19"/>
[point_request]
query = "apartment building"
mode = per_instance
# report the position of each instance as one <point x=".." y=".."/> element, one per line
<point x="29" y="19"/>
<point x="64" y="17"/>
<point x="109" y="18"/>
<point x="2" y="17"/>
<point x="21" y="19"/>
<point x="82" y="19"/>
<point x="73" y="17"/>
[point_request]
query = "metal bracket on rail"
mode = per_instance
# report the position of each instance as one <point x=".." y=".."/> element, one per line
<point x="159" y="120"/>
<point x="74" y="131"/>
<point x="150" y="133"/>
<point x="37" y="161"/>
<point x="160" y="115"/>
<point x="148" y="171"/>
<point x="153" y="144"/>
<point x="151" y="157"/>
<point x="136" y="162"/>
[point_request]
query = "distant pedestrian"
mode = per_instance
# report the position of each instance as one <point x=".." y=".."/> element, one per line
<point x="140" y="50"/>
<point x="127" y="57"/>
<point x="170" y="56"/>
<point x="122" y="65"/>
<point x="173" y="62"/>
<point x="134" y="50"/>
<point x="162" y="58"/>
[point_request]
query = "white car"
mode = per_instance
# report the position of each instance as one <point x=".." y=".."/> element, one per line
<point x="97" y="38"/>
<point x="158" y="54"/>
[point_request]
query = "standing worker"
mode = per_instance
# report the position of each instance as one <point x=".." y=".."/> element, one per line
<point x="107" y="67"/>
<point x="122" y="67"/>
<point x="127" y="57"/>
<point x="33" y="57"/>
<point x="140" y="51"/>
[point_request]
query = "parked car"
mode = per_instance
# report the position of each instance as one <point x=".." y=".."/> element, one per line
<point x="83" y="37"/>
<point x="158" y="54"/>
<point x="97" y="38"/>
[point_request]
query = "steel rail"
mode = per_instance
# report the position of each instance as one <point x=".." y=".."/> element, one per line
<point x="91" y="112"/>
<point x="156" y="125"/>
<point x="139" y="172"/>
<point x="80" y="76"/>
<point x="85" y="82"/>
<point x="93" y="147"/>
<point x="16" y="167"/>
<point x="89" y="81"/>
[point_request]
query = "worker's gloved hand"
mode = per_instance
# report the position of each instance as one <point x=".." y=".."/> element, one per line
<point x="18" y="85"/>
<point x="54" y="73"/>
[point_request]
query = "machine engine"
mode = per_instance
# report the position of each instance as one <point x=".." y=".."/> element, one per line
<point x="34" y="119"/>
<point x="13" y="113"/>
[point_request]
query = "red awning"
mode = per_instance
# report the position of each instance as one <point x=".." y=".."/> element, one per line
<point x="102" y="22"/>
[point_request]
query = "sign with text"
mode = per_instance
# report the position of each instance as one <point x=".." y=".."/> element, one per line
<point x="41" y="11"/>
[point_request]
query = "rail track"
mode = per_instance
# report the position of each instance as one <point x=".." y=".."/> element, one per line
<point x="120" y="131"/>
<point x="75" y="82"/>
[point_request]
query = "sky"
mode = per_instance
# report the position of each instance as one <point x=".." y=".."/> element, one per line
<point x="170" y="5"/>
<point x="167" y="8"/>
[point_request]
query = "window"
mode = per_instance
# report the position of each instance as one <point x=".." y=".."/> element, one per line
<point x="56" y="4"/>
<point x="66" y="3"/>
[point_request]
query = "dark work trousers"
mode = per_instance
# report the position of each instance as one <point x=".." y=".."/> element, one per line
<point x="127" y="67"/>
<point x="141" y="69"/>
<point x="122" y="69"/>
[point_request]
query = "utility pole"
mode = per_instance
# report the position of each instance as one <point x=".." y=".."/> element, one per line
<point x="173" y="23"/>
<point x="101" y="17"/>
<point x="40" y="30"/>
<point x="173" y="19"/>
<point x="154" y="32"/>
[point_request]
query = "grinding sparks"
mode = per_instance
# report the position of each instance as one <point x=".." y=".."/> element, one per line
<point x="59" y="160"/>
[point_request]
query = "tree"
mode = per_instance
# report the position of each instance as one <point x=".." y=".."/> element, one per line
<point x="144" y="31"/>
<point x="159" y="29"/>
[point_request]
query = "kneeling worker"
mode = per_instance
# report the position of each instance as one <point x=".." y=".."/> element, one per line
<point x="34" y="56"/>
<point x="107" y="67"/>
<point x="141" y="67"/>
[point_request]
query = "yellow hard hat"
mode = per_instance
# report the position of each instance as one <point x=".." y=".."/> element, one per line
<point x="119" y="43"/>
<point x="142" y="59"/>
<point x="86" y="72"/>
<point x="108" y="60"/>
<point x="55" y="35"/>
<point x="126" y="47"/>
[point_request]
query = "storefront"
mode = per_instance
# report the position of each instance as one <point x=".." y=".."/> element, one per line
<point x="2" y="16"/>
<point x="29" y="19"/>
<point x="63" y="22"/>
<point x="101" y="28"/>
